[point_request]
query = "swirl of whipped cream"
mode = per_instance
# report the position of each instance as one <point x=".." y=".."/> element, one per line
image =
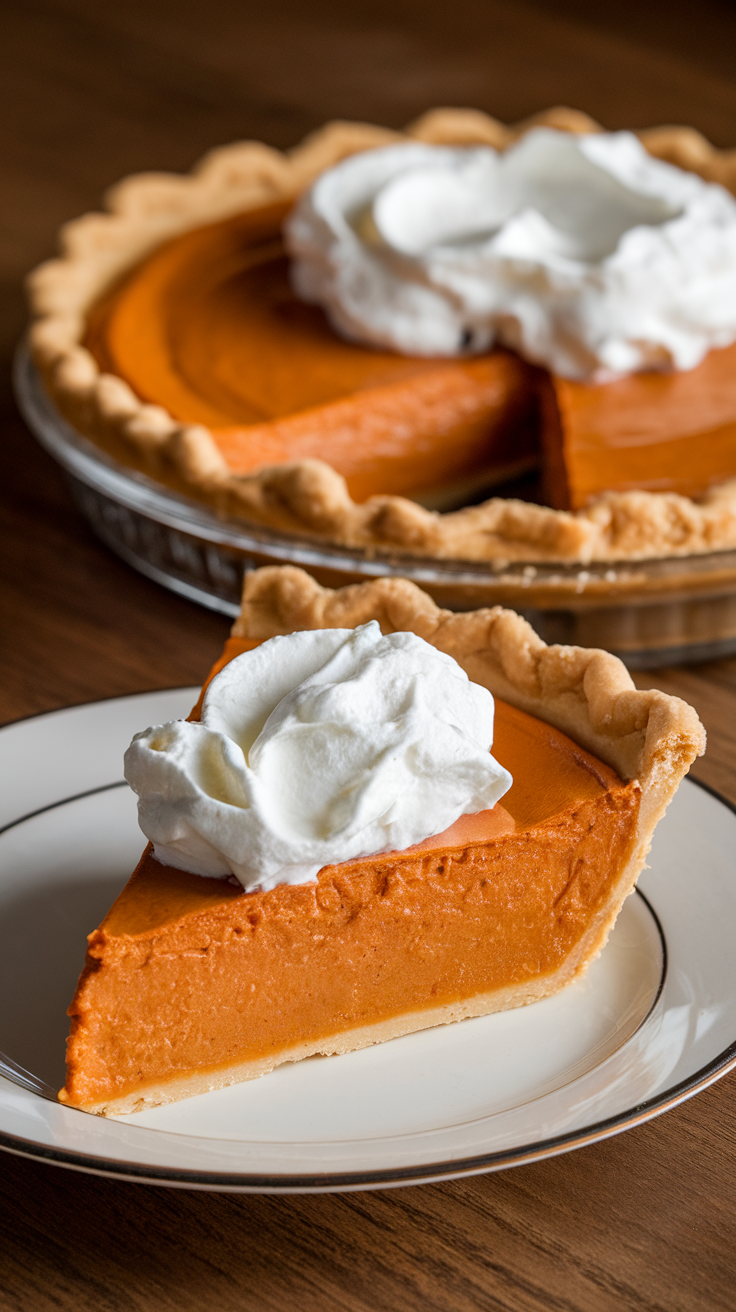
<point x="583" y="253"/>
<point x="317" y="748"/>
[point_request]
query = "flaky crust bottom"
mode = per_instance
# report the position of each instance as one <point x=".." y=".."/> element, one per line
<point x="309" y="497"/>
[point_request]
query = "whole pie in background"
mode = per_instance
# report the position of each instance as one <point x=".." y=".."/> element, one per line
<point x="169" y="332"/>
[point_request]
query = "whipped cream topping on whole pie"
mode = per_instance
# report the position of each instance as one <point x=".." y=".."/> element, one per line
<point x="583" y="253"/>
<point x="316" y="748"/>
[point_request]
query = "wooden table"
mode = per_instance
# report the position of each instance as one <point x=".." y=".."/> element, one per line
<point x="645" y="1221"/>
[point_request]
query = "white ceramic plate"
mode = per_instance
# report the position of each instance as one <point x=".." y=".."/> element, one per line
<point x="653" y="1022"/>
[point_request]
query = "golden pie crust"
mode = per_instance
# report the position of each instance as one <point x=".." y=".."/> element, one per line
<point x="647" y="738"/>
<point x="308" y="496"/>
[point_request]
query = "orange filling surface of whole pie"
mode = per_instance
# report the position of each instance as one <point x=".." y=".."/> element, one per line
<point x="187" y="974"/>
<point x="209" y="327"/>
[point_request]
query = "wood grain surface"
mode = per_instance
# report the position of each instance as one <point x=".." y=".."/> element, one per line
<point x="91" y="90"/>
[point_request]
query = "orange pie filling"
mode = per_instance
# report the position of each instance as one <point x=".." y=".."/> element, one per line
<point x="209" y="327"/>
<point x="659" y="432"/>
<point x="191" y="984"/>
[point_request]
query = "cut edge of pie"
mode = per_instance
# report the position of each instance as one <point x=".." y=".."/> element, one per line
<point x="309" y="497"/>
<point x="365" y="1036"/>
<point x="648" y="738"/>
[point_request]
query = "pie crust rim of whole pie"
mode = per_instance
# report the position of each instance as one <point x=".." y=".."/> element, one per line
<point x="308" y="496"/>
<point x="647" y="736"/>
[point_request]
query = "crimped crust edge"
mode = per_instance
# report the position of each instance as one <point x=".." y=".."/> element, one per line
<point x="587" y="693"/>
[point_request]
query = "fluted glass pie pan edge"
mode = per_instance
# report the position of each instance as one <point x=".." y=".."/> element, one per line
<point x="648" y="612"/>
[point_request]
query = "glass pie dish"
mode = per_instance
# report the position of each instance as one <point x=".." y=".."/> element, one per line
<point x="650" y="612"/>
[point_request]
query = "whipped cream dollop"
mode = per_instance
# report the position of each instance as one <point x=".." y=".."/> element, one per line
<point x="583" y="253"/>
<point x="317" y="748"/>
